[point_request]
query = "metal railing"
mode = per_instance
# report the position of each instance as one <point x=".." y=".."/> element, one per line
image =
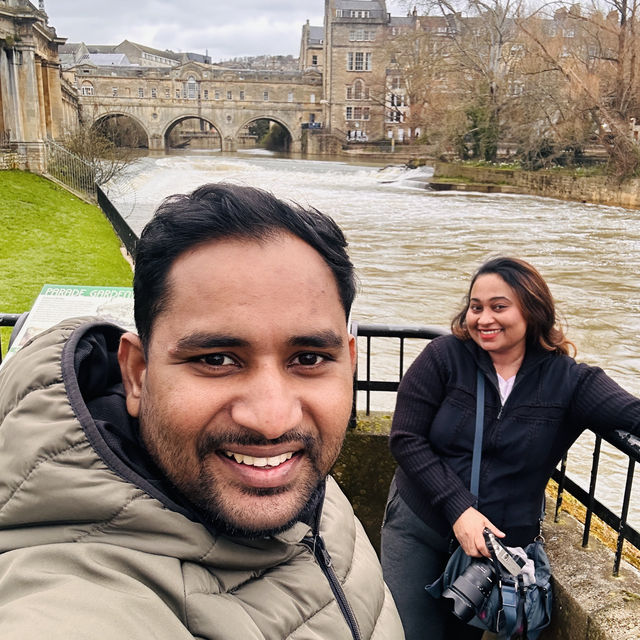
<point x="626" y="443"/>
<point x="126" y="234"/>
<point x="70" y="169"/>
<point x="7" y="320"/>
<point x="629" y="445"/>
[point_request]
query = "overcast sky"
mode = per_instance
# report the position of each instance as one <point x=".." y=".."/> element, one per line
<point x="225" y="29"/>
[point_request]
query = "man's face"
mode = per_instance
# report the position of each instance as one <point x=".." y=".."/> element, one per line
<point x="246" y="391"/>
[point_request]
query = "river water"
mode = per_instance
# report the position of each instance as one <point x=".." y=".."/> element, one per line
<point x="415" y="251"/>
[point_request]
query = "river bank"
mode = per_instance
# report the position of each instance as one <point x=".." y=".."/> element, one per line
<point x="550" y="183"/>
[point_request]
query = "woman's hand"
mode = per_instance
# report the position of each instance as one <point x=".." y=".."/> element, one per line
<point x="468" y="530"/>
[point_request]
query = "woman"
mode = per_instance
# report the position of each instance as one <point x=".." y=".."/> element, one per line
<point x="537" y="402"/>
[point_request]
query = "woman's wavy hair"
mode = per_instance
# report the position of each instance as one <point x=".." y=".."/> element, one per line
<point x="534" y="298"/>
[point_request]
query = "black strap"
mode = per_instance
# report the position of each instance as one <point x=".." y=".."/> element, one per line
<point x="477" y="440"/>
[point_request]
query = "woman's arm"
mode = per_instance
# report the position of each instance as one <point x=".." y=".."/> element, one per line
<point x="601" y="404"/>
<point x="420" y="396"/>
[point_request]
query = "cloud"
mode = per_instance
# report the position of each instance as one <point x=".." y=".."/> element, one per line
<point x="225" y="29"/>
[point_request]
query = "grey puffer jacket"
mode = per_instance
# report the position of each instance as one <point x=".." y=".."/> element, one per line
<point x="95" y="546"/>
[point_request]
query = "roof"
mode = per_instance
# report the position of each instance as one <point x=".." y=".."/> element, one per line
<point x="170" y="55"/>
<point x="407" y="21"/>
<point x="108" y="59"/>
<point x="377" y="5"/>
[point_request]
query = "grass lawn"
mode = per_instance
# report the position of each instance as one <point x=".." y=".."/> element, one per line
<point x="50" y="236"/>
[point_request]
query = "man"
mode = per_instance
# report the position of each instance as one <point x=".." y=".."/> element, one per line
<point x="184" y="493"/>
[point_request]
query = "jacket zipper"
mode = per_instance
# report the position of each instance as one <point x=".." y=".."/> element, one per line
<point x="317" y="547"/>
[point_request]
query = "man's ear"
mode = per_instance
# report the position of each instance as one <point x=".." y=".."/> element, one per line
<point x="133" y="367"/>
<point x="353" y="352"/>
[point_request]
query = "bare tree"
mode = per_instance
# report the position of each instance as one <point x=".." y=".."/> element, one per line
<point x="103" y="155"/>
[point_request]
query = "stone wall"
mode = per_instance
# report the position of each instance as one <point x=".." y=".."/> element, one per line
<point x="23" y="156"/>
<point x="549" y="183"/>
<point x="589" y="604"/>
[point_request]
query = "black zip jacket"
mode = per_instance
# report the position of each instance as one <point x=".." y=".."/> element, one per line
<point x="553" y="400"/>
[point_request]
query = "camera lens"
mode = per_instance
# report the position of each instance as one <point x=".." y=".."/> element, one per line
<point x="470" y="589"/>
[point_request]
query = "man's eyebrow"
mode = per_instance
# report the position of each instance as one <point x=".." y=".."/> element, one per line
<point x="204" y="340"/>
<point x="322" y="340"/>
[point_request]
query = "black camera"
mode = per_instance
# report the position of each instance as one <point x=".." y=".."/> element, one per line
<point x="473" y="586"/>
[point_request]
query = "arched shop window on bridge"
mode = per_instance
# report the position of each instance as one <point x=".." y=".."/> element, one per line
<point x="86" y="89"/>
<point x="191" y="89"/>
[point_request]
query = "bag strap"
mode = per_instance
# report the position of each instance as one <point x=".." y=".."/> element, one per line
<point x="477" y="440"/>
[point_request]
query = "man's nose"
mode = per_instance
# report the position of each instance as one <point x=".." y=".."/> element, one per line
<point x="269" y="403"/>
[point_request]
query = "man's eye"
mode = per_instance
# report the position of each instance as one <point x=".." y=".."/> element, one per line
<point x="216" y="360"/>
<point x="309" y="359"/>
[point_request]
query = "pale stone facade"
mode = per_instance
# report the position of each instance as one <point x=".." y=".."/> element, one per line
<point x="228" y="99"/>
<point x="312" y="48"/>
<point x="31" y="93"/>
<point x="355" y="68"/>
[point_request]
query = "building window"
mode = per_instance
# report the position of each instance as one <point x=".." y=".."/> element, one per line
<point x="290" y="96"/>
<point x="229" y="95"/>
<point x="114" y="92"/>
<point x="87" y="89"/>
<point x="314" y="60"/>
<point x="396" y="82"/>
<point x="359" y="14"/>
<point x="241" y="95"/>
<point x="178" y="93"/>
<point x="216" y="94"/>
<point x="154" y="92"/>
<point x="312" y="98"/>
<point x="361" y="35"/>
<point x="265" y="95"/>
<point x="206" y="94"/>
<point x="358" y="61"/>
<point x="140" y="92"/>
<point x="357" y="113"/>
<point x="167" y="93"/>
<point x="192" y="88"/>
<point x="358" y="91"/>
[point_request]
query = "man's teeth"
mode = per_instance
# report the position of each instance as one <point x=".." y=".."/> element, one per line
<point x="273" y="461"/>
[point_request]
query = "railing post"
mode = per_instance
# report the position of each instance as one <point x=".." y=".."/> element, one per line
<point x="623" y="516"/>
<point x="592" y="491"/>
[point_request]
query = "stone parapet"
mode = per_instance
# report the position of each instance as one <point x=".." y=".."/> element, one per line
<point x="546" y="183"/>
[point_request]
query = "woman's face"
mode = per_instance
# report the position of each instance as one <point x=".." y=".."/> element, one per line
<point x="494" y="319"/>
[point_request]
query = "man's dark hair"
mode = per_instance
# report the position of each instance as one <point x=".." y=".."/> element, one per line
<point x="222" y="210"/>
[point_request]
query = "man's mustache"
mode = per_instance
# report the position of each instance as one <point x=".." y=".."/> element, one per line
<point x="211" y="442"/>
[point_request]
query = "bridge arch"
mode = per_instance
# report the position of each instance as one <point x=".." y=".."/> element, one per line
<point x="286" y="126"/>
<point x="132" y="133"/>
<point x="179" y="133"/>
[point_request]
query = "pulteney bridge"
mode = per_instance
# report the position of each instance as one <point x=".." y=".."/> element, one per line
<point x="227" y="100"/>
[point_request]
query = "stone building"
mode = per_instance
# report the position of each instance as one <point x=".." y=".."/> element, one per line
<point x="365" y="97"/>
<point x="34" y="103"/>
<point x="227" y="100"/>
<point x="312" y="48"/>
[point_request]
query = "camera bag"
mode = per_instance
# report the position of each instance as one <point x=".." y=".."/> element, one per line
<point x="512" y="610"/>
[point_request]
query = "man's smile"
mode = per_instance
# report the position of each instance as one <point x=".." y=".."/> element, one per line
<point x="271" y="461"/>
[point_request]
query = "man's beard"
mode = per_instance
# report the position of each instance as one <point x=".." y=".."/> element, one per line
<point x="208" y="497"/>
<point x="198" y="482"/>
